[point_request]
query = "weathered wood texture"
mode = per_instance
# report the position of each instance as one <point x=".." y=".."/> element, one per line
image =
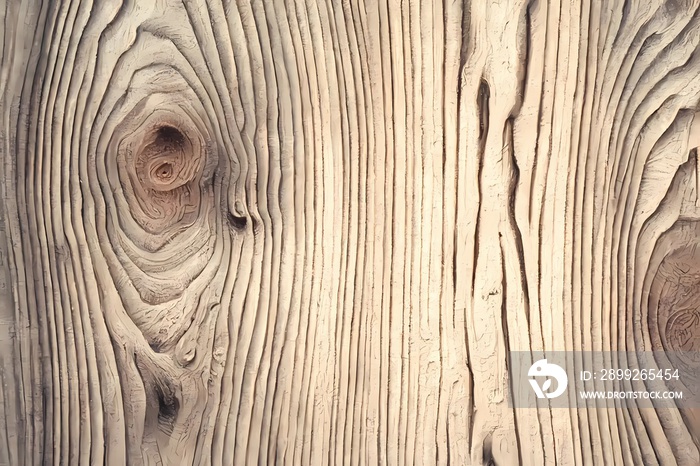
<point x="308" y="231"/>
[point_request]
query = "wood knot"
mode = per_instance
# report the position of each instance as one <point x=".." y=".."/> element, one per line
<point x="237" y="216"/>
<point x="165" y="160"/>
<point x="683" y="330"/>
<point x="676" y="290"/>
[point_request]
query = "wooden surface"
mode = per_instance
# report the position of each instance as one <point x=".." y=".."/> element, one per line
<point x="309" y="231"/>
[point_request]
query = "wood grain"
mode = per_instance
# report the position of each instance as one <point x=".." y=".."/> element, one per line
<point x="310" y="231"/>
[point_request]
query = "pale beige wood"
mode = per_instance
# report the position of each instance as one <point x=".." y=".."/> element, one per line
<point x="309" y="231"/>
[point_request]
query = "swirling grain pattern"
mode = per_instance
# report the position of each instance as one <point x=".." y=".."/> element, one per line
<point x="309" y="231"/>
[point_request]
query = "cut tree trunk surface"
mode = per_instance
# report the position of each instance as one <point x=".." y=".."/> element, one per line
<point x="308" y="232"/>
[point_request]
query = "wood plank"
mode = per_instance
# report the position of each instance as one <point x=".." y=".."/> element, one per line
<point x="310" y="232"/>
